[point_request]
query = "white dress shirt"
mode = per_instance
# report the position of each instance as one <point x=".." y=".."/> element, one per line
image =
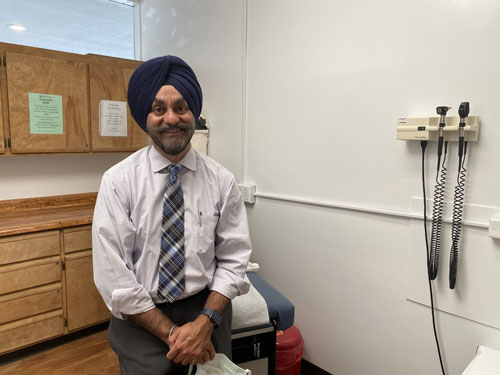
<point x="127" y="229"/>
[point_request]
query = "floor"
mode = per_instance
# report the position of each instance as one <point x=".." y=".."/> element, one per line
<point x="90" y="355"/>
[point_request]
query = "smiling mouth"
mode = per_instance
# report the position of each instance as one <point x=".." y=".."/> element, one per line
<point x="172" y="131"/>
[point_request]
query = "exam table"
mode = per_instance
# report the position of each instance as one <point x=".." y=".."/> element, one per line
<point x="256" y="318"/>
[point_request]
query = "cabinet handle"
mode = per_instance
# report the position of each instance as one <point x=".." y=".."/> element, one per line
<point x="256" y="350"/>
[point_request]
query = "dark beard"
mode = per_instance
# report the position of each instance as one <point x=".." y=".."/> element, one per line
<point x="174" y="146"/>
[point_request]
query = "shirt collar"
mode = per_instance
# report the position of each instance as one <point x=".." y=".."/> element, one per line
<point x="160" y="162"/>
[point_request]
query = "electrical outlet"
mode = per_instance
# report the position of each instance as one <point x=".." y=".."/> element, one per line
<point x="247" y="192"/>
<point x="494" y="227"/>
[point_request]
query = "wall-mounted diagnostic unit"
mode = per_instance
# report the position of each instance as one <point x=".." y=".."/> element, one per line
<point x="442" y="129"/>
<point x="427" y="129"/>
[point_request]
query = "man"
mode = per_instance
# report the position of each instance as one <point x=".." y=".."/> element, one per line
<point x="170" y="234"/>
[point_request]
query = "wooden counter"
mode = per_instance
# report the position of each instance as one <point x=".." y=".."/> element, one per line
<point x="45" y="213"/>
<point x="46" y="279"/>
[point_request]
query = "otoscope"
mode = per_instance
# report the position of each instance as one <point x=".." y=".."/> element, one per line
<point x="458" y="199"/>
<point x="463" y="112"/>
<point x="437" y="209"/>
<point x="441" y="111"/>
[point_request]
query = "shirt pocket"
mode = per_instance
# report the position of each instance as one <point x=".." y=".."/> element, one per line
<point x="206" y="237"/>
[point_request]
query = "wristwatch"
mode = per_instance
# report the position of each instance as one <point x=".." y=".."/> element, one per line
<point x="214" y="316"/>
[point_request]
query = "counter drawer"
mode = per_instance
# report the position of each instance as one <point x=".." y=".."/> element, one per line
<point x="23" y="247"/>
<point x="76" y="239"/>
<point x="30" y="302"/>
<point x="31" y="330"/>
<point x="29" y="274"/>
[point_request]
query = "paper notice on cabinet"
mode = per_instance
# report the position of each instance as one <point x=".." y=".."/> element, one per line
<point x="46" y="113"/>
<point x="112" y="118"/>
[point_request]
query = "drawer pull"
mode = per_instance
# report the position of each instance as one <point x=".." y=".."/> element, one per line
<point x="256" y="350"/>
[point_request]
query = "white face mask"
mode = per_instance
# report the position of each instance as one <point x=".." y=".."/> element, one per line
<point x="220" y="365"/>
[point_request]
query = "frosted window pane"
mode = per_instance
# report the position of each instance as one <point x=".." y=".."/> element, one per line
<point x="101" y="27"/>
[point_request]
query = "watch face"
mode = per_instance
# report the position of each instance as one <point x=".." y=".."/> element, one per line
<point x="216" y="318"/>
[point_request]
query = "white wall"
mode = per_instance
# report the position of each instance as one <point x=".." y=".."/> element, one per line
<point x="208" y="35"/>
<point x="325" y="83"/>
<point x="165" y="30"/>
<point x="27" y="176"/>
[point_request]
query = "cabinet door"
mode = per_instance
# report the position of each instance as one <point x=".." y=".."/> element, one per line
<point x="2" y="137"/>
<point x="110" y="83"/>
<point x="60" y="79"/>
<point x="84" y="303"/>
<point x="3" y="102"/>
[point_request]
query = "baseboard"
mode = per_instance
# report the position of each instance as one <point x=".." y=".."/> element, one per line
<point x="308" y="368"/>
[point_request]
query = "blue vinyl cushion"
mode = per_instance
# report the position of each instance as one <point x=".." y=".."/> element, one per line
<point x="280" y="308"/>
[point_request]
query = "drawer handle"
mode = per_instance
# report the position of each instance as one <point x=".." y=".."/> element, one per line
<point x="256" y="350"/>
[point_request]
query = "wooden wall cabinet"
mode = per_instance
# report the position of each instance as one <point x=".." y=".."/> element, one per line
<point x="107" y="82"/>
<point x="2" y="138"/>
<point x="81" y="81"/>
<point x="3" y="94"/>
<point x="46" y="276"/>
<point x="52" y="76"/>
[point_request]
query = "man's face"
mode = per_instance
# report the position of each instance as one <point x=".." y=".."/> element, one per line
<point x="170" y="122"/>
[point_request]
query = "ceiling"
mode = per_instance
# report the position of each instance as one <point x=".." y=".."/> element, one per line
<point x="104" y="27"/>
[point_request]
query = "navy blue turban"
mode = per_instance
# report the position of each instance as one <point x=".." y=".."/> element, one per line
<point x="148" y="78"/>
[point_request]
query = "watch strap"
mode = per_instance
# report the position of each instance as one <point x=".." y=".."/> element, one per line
<point x="213" y="315"/>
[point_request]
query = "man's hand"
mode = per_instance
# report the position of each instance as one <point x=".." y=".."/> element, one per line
<point x="191" y="343"/>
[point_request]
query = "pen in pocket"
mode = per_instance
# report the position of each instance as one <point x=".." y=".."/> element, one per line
<point x="199" y="217"/>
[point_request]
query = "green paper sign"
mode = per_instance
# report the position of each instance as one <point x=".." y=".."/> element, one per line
<point x="46" y="114"/>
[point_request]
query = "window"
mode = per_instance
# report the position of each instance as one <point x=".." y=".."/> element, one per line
<point x="104" y="27"/>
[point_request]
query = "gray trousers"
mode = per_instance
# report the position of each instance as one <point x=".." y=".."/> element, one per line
<point x="142" y="353"/>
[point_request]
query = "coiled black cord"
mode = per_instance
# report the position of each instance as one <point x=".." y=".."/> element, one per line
<point x="423" y="144"/>
<point x="437" y="217"/>
<point x="456" y="225"/>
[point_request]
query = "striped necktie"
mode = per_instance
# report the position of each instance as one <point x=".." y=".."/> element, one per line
<point x="171" y="271"/>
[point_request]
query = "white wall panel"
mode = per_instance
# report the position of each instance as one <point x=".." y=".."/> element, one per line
<point x="209" y="36"/>
<point x="26" y="176"/>
<point x="328" y="79"/>
<point x="347" y="274"/>
<point x="326" y="83"/>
